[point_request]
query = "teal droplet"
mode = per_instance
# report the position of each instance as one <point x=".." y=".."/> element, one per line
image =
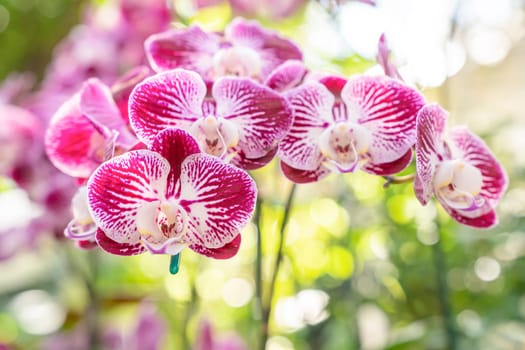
<point x="174" y="264"/>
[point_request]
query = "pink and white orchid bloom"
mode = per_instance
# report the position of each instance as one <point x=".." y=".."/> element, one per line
<point x="241" y="120"/>
<point x="86" y="129"/>
<point x="339" y="125"/>
<point x="458" y="168"/>
<point x="245" y="49"/>
<point x="168" y="198"/>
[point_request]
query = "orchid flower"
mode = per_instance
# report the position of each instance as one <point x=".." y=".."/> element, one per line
<point x="86" y="129"/>
<point x="458" y="168"/>
<point x="168" y="198"/>
<point x="241" y="120"/>
<point x="245" y="49"/>
<point x="339" y="125"/>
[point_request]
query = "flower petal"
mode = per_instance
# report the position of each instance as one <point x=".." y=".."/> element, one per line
<point x="97" y="104"/>
<point x="219" y="199"/>
<point x="190" y="48"/>
<point x="430" y="128"/>
<point x="262" y="115"/>
<point x="304" y="176"/>
<point x="122" y="88"/>
<point x="116" y="248"/>
<point x="174" y="145"/>
<point x="312" y="105"/>
<point x="121" y="186"/>
<point x="73" y="144"/>
<point x="240" y="160"/>
<point x="390" y="168"/>
<point x="335" y="84"/>
<point x="388" y="108"/>
<point x="382" y="58"/>
<point x="475" y="152"/>
<point x="170" y="99"/>
<point x="286" y="76"/>
<point x="225" y="252"/>
<point x="487" y="219"/>
<point x="272" y="48"/>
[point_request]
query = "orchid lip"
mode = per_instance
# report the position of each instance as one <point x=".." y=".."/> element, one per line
<point x="80" y="230"/>
<point x="162" y="226"/>
<point x="238" y="61"/>
<point x="215" y="136"/>
<point x="345" y="145"/>
<point x="458" y="184"/>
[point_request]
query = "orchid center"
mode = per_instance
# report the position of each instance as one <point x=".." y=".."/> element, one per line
<point x="159" y="221"/>
<point x="215" y="135"/>
<point x="459" y="184"/>
<point x="238" y="61"/>
<point x="345" y="145"/>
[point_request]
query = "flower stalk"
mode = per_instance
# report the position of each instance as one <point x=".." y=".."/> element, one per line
<point x="267" y="307"/>
<point x="443" y="292"/>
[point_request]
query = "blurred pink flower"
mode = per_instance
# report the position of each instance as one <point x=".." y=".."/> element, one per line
<point x="207" y="340"/>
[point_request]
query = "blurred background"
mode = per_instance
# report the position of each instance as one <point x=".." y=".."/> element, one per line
<point x="364" y="267"/>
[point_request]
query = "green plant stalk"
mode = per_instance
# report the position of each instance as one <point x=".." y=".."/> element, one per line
<point x="267" y="307"/>
<point x="443" y="292"/>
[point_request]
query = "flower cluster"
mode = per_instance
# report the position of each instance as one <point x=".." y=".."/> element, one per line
<point x="163" y="157"/>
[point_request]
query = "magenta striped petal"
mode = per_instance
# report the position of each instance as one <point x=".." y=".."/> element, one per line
<point x="122" y="185"/>
<point x="240" y="160"/>
<point x="430" y="129"/>
<point x="304" y="176"/>
<point x="190" y="48"/>
<point x="72" y="143"/>
<point x="262" y="115"/>
<point x="170" y="99"/>
<point x="475" y="152"/>
<point x="112" y="247"/>
<point x="272" y="48"/>
<point x="312" y="105"/>
<point x="388" y="108"/>
<point x="219" y="199"/>
<point x="225" y="252"/>
<point x="286" y="76"/>
<point x="391" y="168"/>
<point x="174" y="145"/>
<point x="486" y="220"/>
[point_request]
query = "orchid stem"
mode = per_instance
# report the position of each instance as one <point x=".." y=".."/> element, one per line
<point x="267" y="309"/>
<point x="443" y="292"/>
<point x="258" y="302"/>
<point x="396" y="180"/>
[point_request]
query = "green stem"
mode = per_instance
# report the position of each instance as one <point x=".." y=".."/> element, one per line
<point x="258" y="302"/>
<point x="396" y="180"/>
<point x="443" y="292"/>
<point x="267" y="309"/>
<point x="94" y="301"/>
